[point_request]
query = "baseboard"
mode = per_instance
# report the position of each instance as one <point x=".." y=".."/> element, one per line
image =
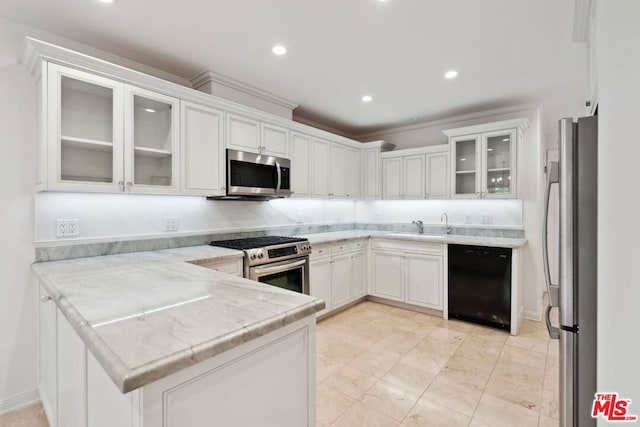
<point x="19" y="401"/>
<point x="533" y="315"/>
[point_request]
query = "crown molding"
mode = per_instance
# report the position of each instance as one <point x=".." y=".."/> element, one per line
<point x="521" y="124"/>
<point x="485" y="114"/>
<point x="383" y="145"/>
<point x="208" y="76"/>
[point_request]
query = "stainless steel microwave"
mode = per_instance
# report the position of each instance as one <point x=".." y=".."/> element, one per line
<point x="257" y="175"/>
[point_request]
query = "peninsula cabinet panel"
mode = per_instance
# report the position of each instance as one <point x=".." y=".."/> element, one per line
<point x="72" y="392"/>
<point x="300" y="165"/>
<point x="202" y="150"/>
<point x="48" y="356"/>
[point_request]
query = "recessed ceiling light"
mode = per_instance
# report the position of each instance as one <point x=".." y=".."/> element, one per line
<point x="105" y="1"/>
<point x="463" y="159"/>
<point x="451" y="74"/>
<point x="149" y="110"/>
<point x="367" y="98"/>
<point x="279" y="50"/>
<point x="489" y="149"/>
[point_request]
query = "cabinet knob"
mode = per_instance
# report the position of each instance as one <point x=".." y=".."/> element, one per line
<point x="45" y="298"/>
<point x="223" y="188"/>
<point x="478" y="194"/>
<point x="121" y="185"/>
<point x="426" y="195"/>
<point x="129" y="185"/>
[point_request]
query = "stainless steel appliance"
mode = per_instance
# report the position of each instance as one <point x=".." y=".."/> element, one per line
<point x="576" y="293"/>
<point x="274" y="260"/>
<point x="251" y="175"/>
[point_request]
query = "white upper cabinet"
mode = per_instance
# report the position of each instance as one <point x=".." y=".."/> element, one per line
<point x="335" y="170"/>
<point x="437" y="174"/>
<point x="371" y="171"/>
<point x="320" y="168"/>
<point x="416" y="173"/>
<point x="300" y="165"/>
<point x="275" y="140"/>
<point x="243" y="133"/>
<point x="413" y="177"/>
<point x="392" y="186"/>
<point x="151" y="139"/>
<point x="85" y="132"/>
<point x="202" y="150"/>
<point x="248" y="134"/>
<point x="484" y="161"/>
<point x="105" y="136"/>
<point x="353" y="173"/>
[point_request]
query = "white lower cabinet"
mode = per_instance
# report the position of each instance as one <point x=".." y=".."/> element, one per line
<point x="400" y="272"/>
<point x="338" y="273"/>
<point x="77" y="392"/>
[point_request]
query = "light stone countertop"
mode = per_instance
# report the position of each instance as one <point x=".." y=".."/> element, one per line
<point x="336" y="236"/>
<point x="147" y="315"/>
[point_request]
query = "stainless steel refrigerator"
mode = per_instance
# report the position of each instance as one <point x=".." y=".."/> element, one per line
<point x="575" y="295"/>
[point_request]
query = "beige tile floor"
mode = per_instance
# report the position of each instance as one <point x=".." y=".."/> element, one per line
<point x="384" y="366"/>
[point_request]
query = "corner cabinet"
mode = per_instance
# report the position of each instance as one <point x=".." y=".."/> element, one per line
<point x="420" y="173"/>
<point x="484" y="159"/>
<point x="106" y="136"/>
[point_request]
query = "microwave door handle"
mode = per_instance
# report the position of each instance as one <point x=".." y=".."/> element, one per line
<point x="279" y="177"/>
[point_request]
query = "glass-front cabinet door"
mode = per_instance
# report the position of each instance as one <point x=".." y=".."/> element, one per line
<point x="498" y="180"/>
<point x="466" y="164"/>
<point x="151" y="142"/>
<point x="84" y="131"/>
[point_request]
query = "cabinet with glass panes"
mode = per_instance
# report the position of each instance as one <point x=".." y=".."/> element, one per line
<point x="107" y="136"/>
<point x="484" y="159"/>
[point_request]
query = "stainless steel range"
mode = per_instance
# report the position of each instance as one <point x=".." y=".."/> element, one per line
<point x="274" y="260"/>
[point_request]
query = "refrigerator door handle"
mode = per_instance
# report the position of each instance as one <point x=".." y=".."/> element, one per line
<point x="554" y="332"/>
<point x="552" y="178"/>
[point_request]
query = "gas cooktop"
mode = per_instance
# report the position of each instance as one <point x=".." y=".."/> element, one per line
<point x="256" y="242"/>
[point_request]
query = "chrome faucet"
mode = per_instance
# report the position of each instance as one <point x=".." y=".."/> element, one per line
<point x="447" y="229"/>
<point x="420" y="226"/>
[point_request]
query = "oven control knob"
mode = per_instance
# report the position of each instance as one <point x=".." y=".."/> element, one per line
<point x="253" y="256"/>
<point x="260" y="255"/>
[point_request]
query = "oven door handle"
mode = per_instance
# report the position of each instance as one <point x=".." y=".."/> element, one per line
<point x="279" y="268"/>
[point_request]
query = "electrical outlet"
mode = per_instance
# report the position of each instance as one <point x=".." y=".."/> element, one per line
<point x="67" y="227"/>
<point x="468" y="219"/>
<point x="170" y="223"/>
<point x="487" y="219"/>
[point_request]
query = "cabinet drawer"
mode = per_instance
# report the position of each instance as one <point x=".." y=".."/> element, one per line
<point x="320" y="250"/>
<point x="358" y="245"/>
<point x="339" y="248"/>
<point x="229" y="267"/>
<point x="409" y="246"/>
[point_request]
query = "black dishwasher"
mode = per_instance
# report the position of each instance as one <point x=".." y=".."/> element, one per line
<point x="480" y="285"/>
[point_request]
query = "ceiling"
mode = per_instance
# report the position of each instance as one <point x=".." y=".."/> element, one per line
<point x="506" y="51"/>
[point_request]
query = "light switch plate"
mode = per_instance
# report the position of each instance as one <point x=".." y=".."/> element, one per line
<point x="67" y="227"/>
<point x="487" y="219"/>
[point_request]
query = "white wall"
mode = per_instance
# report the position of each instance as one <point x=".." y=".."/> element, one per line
<point x="503" y="212"/>
<point x="127" y="216"/>
<point x="618" y="69"/>
<point x="17" y="292"/>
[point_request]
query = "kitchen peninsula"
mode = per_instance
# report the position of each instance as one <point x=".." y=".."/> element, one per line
<point x="163" y="341"/>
